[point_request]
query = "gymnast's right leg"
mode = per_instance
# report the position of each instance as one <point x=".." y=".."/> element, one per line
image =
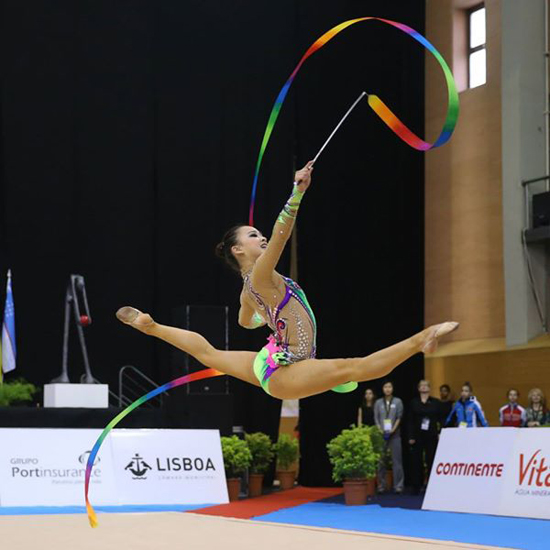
<point x="234" y="363"/>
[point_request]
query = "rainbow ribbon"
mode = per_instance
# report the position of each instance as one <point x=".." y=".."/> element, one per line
<point x="379" y="107"/>
<point x="200" y="375"/>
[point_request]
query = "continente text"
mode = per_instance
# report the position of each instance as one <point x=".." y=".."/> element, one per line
<point x="478" y="469"/>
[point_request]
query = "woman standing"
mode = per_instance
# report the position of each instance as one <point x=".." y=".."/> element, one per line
<point x="466" y="412"/>
<point x="424" y="415"/>
<point x="536" y="413"/>
<point x="365" y="414"/>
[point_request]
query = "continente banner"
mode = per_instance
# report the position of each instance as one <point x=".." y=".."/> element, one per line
<point x="500" y="471"/>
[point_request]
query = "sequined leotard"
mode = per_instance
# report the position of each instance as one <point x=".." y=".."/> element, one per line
<point x="292" y="321"/>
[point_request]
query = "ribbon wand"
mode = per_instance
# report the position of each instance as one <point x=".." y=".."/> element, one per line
<point x="363" y="94"/>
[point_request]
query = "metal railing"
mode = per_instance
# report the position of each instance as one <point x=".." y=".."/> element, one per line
<point x="133" y="384"/>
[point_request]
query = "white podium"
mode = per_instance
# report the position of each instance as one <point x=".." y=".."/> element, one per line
<point x="90" y="396"/>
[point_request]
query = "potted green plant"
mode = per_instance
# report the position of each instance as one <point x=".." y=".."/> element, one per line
<point x="287" y="451"/>
<point x="16" y="392"/>
<point x="261" y="449"/>
<point x="236" y="459"/>
<point x="378" y="445"/>
<point x="355" y="463"/>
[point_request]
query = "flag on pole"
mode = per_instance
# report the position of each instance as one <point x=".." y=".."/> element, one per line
<point x="8" y="331"/>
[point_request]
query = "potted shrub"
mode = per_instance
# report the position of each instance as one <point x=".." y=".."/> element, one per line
<point x="261" y="449"/>
<point x="287" y="452"/>
<point x="355" y="463"/>
<point x="236" y="459"/>
<point x="16" y="392"/>
<point x="378" y="445"/>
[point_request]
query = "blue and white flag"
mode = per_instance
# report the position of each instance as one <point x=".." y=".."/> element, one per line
<point x="8" y="331"/>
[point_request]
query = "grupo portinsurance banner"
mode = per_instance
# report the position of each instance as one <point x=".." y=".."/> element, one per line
<point x="169" y="467"/>
<point x="499" y="471"/>
<point x="45" y="467"/>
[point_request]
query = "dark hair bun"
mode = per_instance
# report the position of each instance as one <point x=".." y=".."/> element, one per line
<point x="223" y="249"/>
<point x="220" y="250"/>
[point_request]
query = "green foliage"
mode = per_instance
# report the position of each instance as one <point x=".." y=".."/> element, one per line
<point x="287" y="450"/>
<point x="236" y="456"/>
<point x="16" y="391"/>
<point x="376" y="438"/>
<point x="352" y="454"/>
<point x="261" y="449"/>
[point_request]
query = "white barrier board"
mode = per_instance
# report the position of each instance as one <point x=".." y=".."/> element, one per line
<point x="499" y="471"/>
<point x="526" y="486"/>
<point x="45" y="467"/>
<point x="169" y="467"/>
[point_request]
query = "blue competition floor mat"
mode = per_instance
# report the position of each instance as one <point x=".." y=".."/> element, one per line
<point x="531" y="534"/>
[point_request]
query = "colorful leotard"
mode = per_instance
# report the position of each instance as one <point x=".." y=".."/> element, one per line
<point x="292" y="319"/>
<point x="294" y="334"/>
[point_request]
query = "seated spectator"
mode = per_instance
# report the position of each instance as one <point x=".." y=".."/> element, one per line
<point x="445" y="401"/>
<point x="466" y="412"/>
<point x="536" y="412"/>
<point x="365" y="414"/>
<point x="512" y="414"/>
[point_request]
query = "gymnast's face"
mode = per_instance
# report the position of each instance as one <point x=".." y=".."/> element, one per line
<point x="250" y="244"/>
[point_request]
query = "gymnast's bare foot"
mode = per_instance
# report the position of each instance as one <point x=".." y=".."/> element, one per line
<point x="430" y="336"/>
<point x="135" y="318"/>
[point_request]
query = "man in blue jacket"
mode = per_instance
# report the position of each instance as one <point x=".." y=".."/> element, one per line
<point x="467" y="411"/>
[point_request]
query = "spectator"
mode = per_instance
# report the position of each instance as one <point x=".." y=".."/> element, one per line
<point x="424" y="415"/>
<point x="445" y="401"/>
<point x="365" y="414"/>
<point x="512" y="414"/>
<point x="388" y="411"/>
<point x="466" y="412"/>
<point x="536" y="412"/>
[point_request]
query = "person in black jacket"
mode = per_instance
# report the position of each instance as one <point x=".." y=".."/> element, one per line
<point x="365" y="413"/>
<point x="446" y="401"/>
<point x="424" y="415"/>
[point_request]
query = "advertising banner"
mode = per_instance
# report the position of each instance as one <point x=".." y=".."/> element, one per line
<point x="169" y="467"/>
<point x="526" y="487"/>
<point x="45" y="467"/>
<point x="499" y="471"/>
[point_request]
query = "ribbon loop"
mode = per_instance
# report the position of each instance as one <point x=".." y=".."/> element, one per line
<point x="378" y="106"/>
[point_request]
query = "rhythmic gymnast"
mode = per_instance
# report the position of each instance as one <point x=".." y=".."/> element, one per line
<point x="286" y="368"/>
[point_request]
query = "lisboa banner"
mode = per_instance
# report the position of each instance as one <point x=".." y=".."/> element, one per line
<point x="498" y="471"/>
<point x="169" y="467"/>
<point x="45" y="467"/>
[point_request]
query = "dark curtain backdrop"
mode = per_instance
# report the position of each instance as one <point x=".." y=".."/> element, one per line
<point x="130" y="130"/>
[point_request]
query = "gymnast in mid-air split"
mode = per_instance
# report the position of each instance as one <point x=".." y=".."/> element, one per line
<point x="286" y="367"/>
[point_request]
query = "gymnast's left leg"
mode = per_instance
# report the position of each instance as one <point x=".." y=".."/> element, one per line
<point x="314" y="376"/>
<point x="238" y="364"/>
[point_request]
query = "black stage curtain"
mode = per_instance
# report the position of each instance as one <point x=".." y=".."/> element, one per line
<point x="130" y="130"/>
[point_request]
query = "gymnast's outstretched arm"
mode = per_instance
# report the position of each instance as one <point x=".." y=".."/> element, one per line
<point x="263" y="273"/>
